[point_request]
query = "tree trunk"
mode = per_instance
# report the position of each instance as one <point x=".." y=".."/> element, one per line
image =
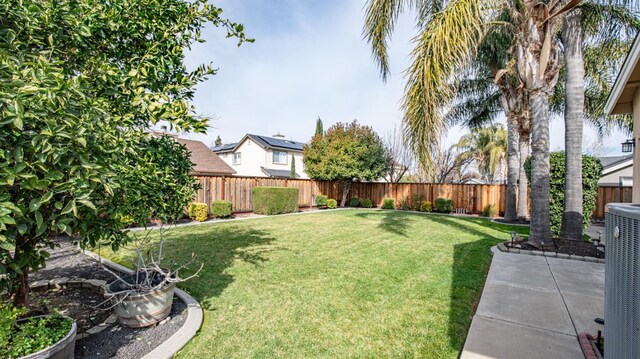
<point x="540" y="188"/>
<point x="573" y="117"/>
<point x="346" y="187"/>
<point x="510" y="213"/>
<point x="20" y="297"/>
<point x="523" y="181"/>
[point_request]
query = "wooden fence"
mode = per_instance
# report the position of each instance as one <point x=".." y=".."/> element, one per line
<point x="610" y="195"/>
<point x="238" y="190"/>
<point x="472" y="197"/>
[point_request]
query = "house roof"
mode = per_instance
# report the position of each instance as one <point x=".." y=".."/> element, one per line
<point x="263" y="141"/>
<point x="614" y="163"/>
<point x="628" y="80"/>
<point x="205" y="161"/>
<point x="224" y="147"/>
<point x="278" y="173"/>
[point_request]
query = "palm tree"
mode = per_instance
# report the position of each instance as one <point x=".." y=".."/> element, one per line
<point x="604" y="14"/>
<point x="450" y="34"/>
<point x="487" y="147"/>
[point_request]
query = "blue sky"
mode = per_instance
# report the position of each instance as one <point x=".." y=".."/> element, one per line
<point x="309" y="60"/>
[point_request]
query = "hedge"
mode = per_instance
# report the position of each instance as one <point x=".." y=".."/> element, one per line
<point x="275" y="200"/>
<point x="444" y="205"/>
<point x="425" y="207"/>
<point x="591" y="170"/>
<point x="388" y="203"/>
<point x="332" y="203"/>
<point x="321" y="201"/>
<point x="366" y="203"/>
<point x="198" y="211"/>
<point x="354" y="202"/>
<point x="221" y="209"/>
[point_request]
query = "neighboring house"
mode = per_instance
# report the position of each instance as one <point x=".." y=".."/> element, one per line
<point x="617" y="171"/>
<point x="262" y="156"/>
<point x="205" y="162"/>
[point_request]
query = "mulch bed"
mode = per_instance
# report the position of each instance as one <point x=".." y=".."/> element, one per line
<point x="578" y="248"/>
<point x="114" y="340"/>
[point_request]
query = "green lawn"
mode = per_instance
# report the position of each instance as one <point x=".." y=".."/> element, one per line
<point x="353" y="283"/>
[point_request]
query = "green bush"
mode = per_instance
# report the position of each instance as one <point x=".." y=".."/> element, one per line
<point x="221" y="209"/>
<point x="591" y="170"/>
<point x="321" y="201"/>
<point x="198" y="211"/>
<point x="275" y="200"/>
<point x="29" y="336"/>
<point x="332" y="203"/>
<point x="425" y="207"/>
<point x="416" y="202"/>
<point x="354" y="202"/>
<point x="366" y="203"/>
<point x="444" y="205"/>
<point x="490" y="210"/>
<point x="404" y="204"/>
<point x="388" y="203"/>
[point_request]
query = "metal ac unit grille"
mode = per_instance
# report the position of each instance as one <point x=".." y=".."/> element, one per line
<point x="622" y="281"/>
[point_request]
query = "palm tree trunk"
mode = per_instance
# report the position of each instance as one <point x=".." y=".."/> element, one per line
<point x="540" y="187"/>
<point x="573" y="116"/>
<point x="510" y="213"/>
<point x="523" y="181"/>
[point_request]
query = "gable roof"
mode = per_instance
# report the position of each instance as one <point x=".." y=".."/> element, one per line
<point x="205" y="161"/>
<point x="614" y="163"/>
<point x="621" y="96"/>
<point x="264" y="142"/>
<point x="224" y="147"/>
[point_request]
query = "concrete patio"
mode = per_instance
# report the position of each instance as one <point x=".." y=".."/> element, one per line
<point x="534" y="307"/>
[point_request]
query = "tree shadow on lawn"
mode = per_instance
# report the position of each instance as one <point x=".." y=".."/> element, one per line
<point x="392" y="221"/>
<point x="217" y="248"/>
<point x="471" y="261"/>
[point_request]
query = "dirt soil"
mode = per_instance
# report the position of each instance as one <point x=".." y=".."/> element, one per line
<point x="82" y="304"/>
<point x="579" y="248"/>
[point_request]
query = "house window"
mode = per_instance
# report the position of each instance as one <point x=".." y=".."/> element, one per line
<point x="237" y="158"/>
<point x="280" y="157"/>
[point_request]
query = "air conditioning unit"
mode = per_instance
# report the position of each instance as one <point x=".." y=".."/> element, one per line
<point x="622" y="281"/>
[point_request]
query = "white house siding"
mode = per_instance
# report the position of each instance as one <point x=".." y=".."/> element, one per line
<point x="613" y="178"/>
<point x="254" y="156"/>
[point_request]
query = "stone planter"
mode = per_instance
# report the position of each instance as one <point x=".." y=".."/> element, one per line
<point x="62" y="349"/>
<point x="141" y="309"/>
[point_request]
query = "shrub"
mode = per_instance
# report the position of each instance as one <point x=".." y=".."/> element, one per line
<point x="198" y="211"/>
<point x="18" y="339"/>
<point x="221" y="209"/>
<point x="490" y="211"/>
<point x="444" y="205"/>
<point x="366" y="203"/>
<point x="404" y="204"/>
<point x="354" y="202"/>
<point x="388" y="203"/>
<point x="591" y="170"/>
<point x="275" y="200"/>
<point x="321" y="201"/>
<point x="416" y="202"/>
<point x="425" y="206"/>
<point x="332" y="203"/>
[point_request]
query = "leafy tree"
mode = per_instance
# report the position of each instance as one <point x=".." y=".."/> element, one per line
<point x="293" y="167"/>
<point x="319" y="127"/>
<point x="79" y="81"/>
<point x="347" y="152"/>
<point x="218" y="141"/>
<point x="400" y="155"/>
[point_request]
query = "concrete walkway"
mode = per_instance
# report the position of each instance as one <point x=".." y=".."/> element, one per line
<point x="534" y="307"/>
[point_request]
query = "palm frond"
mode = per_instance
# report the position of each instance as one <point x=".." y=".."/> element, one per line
<point x="445" y="47"/>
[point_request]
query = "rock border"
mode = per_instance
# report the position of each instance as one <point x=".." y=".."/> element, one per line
<point x="179" y="339"/>
<point x="502" y="248"/>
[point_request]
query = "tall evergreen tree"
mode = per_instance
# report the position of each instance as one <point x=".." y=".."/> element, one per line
<point x="319" y="127"/>
<point x="218" y="141"/>
<point x="293" y="167"/>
